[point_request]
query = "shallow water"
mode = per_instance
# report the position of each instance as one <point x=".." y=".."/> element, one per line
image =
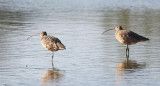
<point x="91" y="59"/>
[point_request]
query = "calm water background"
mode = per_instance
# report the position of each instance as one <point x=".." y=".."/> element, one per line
<point x="91" y="59"/>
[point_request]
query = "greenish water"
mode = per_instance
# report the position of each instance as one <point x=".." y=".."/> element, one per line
<point x="91" y="59"/>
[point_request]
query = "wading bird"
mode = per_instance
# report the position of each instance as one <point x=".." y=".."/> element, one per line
<point x="50" y="43"/>
<point x="127" y="37"/>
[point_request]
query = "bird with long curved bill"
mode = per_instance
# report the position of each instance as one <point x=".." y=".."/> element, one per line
<point x="127" y="37"/>
<point x="50" y="43"/>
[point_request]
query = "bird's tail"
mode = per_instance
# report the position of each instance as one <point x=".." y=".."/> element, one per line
<point x="144" y="39"/>
<point x="61" y="46"/>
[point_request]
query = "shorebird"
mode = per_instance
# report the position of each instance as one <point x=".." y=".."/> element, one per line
<point x="50" y="43"/>
<point x="127" y="37"/>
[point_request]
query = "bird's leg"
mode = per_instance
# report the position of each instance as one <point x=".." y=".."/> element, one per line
<point x="127" y="52"/>
<point x="52" y="65"/>
<point x="52" y="57"/>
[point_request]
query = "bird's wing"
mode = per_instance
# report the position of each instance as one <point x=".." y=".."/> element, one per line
<point x="48" y="42"/>
<point x="127" y="36"/>
<point x="52" y="42"/>
<point x="58" y="43"/>
<point x="135" y="37"/>
<point x="131" y="36"/>
<point x="124" y="34"/>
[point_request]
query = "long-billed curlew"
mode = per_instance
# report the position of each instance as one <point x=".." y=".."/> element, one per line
<point x="127" y="37"/>
<point x="51" y="43"/>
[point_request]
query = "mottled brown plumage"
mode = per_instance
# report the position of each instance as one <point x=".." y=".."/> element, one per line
<point x="51" y="43"/>
<point x="127" y="37"/>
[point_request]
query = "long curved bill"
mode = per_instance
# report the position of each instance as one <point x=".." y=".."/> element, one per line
<point x="31" y="36"/>
<point x="107" y="30"/>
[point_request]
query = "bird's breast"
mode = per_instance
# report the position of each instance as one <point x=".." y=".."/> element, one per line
<point x="48" y="45"/>
<point x="119" y="37"/>
<point x="122" y="37"/>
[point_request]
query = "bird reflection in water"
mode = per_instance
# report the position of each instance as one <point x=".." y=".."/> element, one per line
<point x="52" y="75"/>
<point x="127" y="66"/>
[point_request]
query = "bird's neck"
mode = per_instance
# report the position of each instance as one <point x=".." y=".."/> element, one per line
<point x="42" y="37"/>
<point x="117" y="30"/>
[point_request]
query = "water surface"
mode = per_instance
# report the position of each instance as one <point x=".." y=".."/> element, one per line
<point x="91" y="59"/>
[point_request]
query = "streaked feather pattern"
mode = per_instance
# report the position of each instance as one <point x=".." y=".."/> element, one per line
<point x="51" y="43"/>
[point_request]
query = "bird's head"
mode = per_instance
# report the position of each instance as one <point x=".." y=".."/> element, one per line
<point x="118" y="28"/>
<point x="43" y="33"/>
